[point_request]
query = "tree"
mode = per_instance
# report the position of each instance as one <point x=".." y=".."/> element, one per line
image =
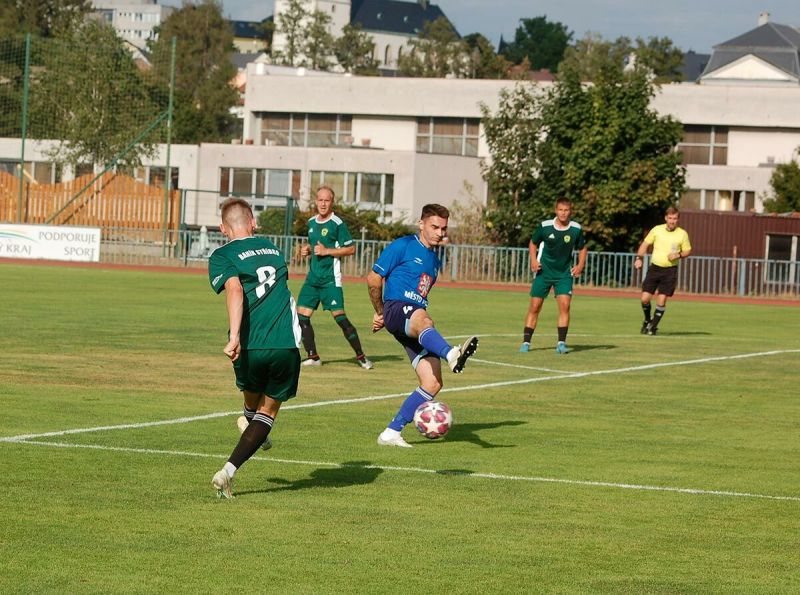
<point x="204" y="94"/>
<point x="291" y="24"/>
<point x="318" y="46"/>
<point x="785" y="184"/>
<point x="42" y="18"/>
<point x="541" y="41"/>
<point x="437" y="53"/>
<point x="484" y="63"/>
<point x="354" y="50"/>
<point x="600" y="145"/>
<point x="592" y="53"/>
<point x="88" y="94"/>
<point x="661" y="56"/>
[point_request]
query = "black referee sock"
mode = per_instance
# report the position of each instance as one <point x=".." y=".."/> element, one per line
<point x="307" y="334"/>
<point x="251" y="439"/>
<point x="657" y="317"/>
<point x="646" y="309"/>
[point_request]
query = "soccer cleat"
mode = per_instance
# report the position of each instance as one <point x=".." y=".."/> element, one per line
<point x="223" y="483"/>
<point x="651" y="330"/>
<point x="562" y="347"/>
<point x="366" y="363"/>
<point x="458" y="356"/>
<point x="242" y="423"/>
<point x="392" y="438"/>
<point x="525" y="347"/>
<point x="645" y="327"/>
<point x="312" y="362"/>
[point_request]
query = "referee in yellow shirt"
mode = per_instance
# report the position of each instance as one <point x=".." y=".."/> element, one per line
<point x="670" y="243"/>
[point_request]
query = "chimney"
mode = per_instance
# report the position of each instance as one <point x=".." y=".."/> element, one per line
<point x="423" y="4"/>
<point x="763" y="18"/>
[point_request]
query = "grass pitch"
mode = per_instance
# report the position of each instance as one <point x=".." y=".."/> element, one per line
<point x="633" y="464"/>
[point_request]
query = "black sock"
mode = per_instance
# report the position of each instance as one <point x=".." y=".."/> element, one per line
<point x="562" y="333"/>
<point x="646" y="310"/>
<point x="527" y="334"/>
<point x="248" y="413"/>
<point x="307" y="333"/>
<point x="351" y="334"/>
<point x="657" y="316"/>
<point x="251" y="439"/>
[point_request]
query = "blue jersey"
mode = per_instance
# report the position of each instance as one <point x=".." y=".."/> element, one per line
<point x="410" y="270"/>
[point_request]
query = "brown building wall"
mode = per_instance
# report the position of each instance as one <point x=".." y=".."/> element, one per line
<point x="718" y="233"/>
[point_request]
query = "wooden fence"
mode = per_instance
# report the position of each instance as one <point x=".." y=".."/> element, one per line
<point x="113" y="200"/>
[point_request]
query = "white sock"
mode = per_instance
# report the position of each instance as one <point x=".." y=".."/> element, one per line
<point x="390" y="433"/>
<point x="453" y="354"/>
<point x="230" y="469"/>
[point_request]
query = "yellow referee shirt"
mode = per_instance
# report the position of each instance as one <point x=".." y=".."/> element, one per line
<point x="664" y="242"/>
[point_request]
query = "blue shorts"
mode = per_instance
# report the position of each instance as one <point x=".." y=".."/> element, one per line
<point x="396" y="319"/>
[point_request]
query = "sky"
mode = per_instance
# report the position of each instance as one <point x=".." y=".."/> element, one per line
<point x="691" y="24"/>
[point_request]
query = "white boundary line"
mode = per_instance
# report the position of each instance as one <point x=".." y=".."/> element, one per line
<point x="491" y="476"/>
<point x="486" y="361"/>
<point x="704" y="360"/>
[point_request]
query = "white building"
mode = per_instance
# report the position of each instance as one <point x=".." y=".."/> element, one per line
<point x="134" y="21"/>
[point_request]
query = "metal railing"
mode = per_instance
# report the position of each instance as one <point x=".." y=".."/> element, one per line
<point x="476" y="264"/>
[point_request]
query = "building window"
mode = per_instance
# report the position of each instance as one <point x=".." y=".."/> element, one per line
<point x="784" y="251"/>
<point x="742" y="201"/>
<point x="448" y="136"/>
<point x="155" y="176"/>
<point x="367" y="191"/>
<point x="305" y="130"/>
<point x="704" y="145"/>
<point x="260" y="187"/>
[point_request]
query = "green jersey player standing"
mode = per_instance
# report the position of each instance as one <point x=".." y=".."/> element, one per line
<point x="551" y="247"/>
<point x="329" y="240"/>
<point x="264" y="336"/>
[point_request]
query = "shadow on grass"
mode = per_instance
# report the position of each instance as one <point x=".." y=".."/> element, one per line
<point x="351" y="359"/>
<point x="590" y="347"/>
<point x="683" y="333"/>
<point x="351" y="473"/>
<point x="469" y="433"/>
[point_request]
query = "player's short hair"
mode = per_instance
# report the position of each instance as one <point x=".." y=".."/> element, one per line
<point x="672" y="211"/>
<point x="234" y="210"/>
<point x="434" y="210"/>
<point x="328" y="188"/>
<point x="563" y="200"/>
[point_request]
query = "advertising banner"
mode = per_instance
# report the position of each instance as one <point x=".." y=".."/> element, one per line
<point x="50" y="242"/>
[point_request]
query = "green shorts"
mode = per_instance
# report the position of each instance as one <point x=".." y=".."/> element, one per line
<point x="274" y="372"/>
<point x="332" y="297"/>
<point x="542" y="283"/>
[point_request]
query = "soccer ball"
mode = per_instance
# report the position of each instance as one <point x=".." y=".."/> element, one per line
<point x="433" y="419"/>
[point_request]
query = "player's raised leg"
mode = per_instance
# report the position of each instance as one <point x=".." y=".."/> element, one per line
<point x="421" y="327"/>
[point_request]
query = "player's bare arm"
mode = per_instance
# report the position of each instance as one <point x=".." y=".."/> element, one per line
<point x="533" y="250"/>
<point x="375" y="288"/>
<point x="578" y="268"/>
<point x="321" y="250"/>
<point x="234" y="302"/>
<point x="640" y="253"/>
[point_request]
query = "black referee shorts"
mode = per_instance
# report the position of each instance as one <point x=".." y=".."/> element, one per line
<point x="663" y="279"/>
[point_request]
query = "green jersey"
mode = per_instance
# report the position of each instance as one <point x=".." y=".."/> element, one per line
<point x="556" y="246"/>
<point x="332" y="233"/>
<point x="269" y="320"/>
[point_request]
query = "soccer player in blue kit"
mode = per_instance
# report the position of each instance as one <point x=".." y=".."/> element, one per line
<point x="399" y="283"/>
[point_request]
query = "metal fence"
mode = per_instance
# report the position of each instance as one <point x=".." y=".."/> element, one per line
<point x="477" y="264"/>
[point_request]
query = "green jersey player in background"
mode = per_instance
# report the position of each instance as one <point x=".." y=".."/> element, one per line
<point x="329" y="240"/>
<point x="264" y="336"/>
<point x="551" y="247"/>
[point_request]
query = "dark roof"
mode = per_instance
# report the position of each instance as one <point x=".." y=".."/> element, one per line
<point x="240" y="60"/>
<point x="693" y="65"/>
<point x="248" y="29"/>
<point x="776" y="44"/>
<point x="394" y="16"/>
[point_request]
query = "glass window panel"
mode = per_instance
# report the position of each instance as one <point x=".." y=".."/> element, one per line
<point x="261" y="175"/>
<point x="471" y="149"/>
<point x="157" y="176"/>
<point x="447" y="145"/>
<point x="295" y="183"/>
<point x="780" y="247"/>
<point x="724" y="201"/>
<point x="276" y="121"/>
<point x="321" y="139"/>
<point x="277" y="137"/>
<point x="349" y="194"/>
<point x="43" y="173"/>
<point x="388" y="190"/>
<point x="690" y="199"/>
<point x="335" y="180"/>
<point x="316" y="181"/>
<point x="720" y="155"/>
<point x="224" y="181"/>
<point x="473" y="127"/>
<point x="242" y="181"/>
<point x="423" y="125"/>
<point x="370" y="188"/>
<point x="697" y="134"/>
<point x="279" y="182"/>
<point x="750" y="201"/>
<point x="423" y="144"/>
<point x="321" y="122"/>
<point x="448" y="126"/>
<point x="345" y="124"/>
<point x="83" y="168"/>
<point x="298" y="139"/>
<point x="720" y="136"/>
<point x="694" y="155"/>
